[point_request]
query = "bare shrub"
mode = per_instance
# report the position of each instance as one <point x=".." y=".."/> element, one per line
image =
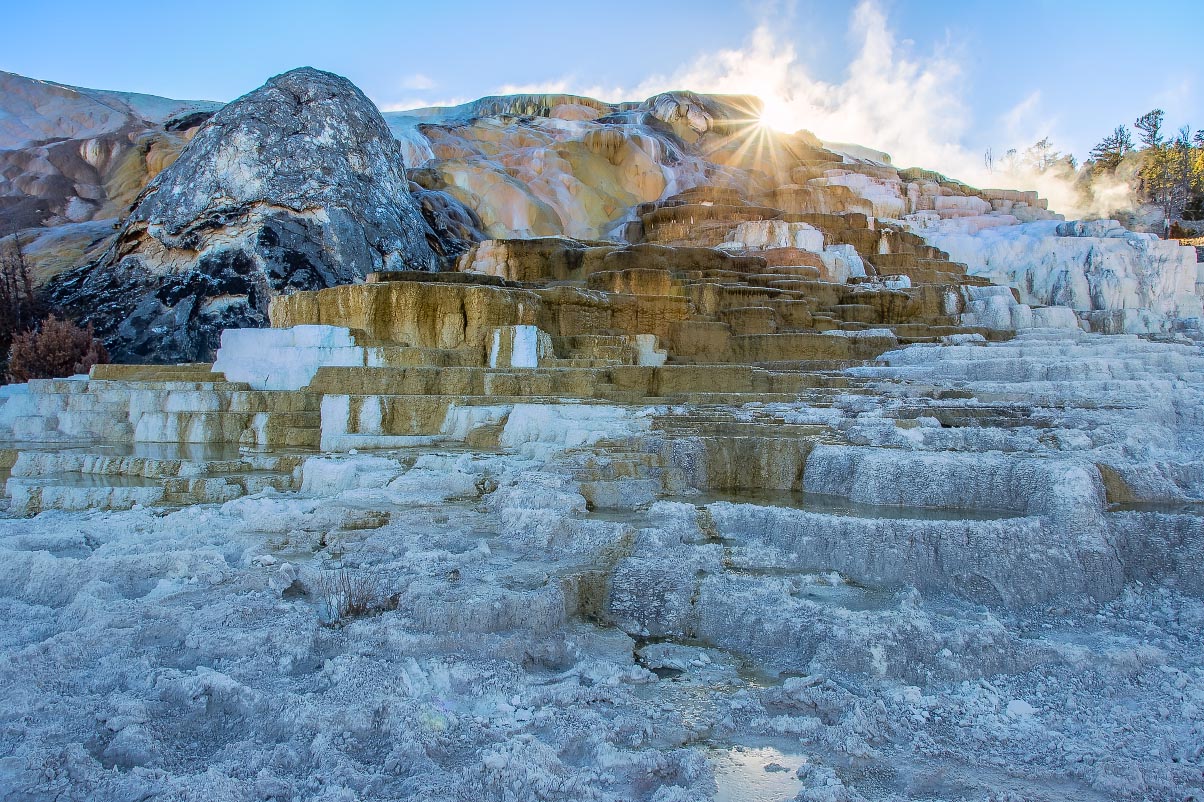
<point x="19" y="307"/>
<point x="54" y="349"/>
<point x="348" y="594"/>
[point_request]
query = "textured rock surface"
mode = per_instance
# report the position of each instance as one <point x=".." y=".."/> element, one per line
<point x="297" y="185"/>
<point x="33" y="111"/>
<point x="747" y="491"/>
<point x="1136" y="282"/>
<point x="615" y="600"/>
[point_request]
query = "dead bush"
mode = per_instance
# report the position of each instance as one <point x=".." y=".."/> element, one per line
<point x="347" y="594"/>
<point x="55" y="349"/>
<point x="19" y="307"/>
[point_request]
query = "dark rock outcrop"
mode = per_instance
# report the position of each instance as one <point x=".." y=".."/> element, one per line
<point x="297" y="185"/>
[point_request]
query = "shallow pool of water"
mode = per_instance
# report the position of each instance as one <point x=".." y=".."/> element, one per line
<point x="839" y="505"/>
<point x="90" y="480"/>
<point x="820" y="503"/>
<point x="1163" y="507"/>
<point x="755" y="774"/>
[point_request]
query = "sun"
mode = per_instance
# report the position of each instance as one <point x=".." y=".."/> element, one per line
<point x="780" y="115"/>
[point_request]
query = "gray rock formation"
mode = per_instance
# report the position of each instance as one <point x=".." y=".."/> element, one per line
<point x="297" y="185"/>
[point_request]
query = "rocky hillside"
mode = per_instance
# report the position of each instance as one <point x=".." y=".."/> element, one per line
<point x="297" y="185"/>
<point x="74" y="159"/>
<point x="303" y="184"/>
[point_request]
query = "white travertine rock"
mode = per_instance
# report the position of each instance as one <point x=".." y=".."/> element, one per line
<point x="285" y="359"/>
<point x="330" y="475"/>
<point x="1086" y="266"/>
<point x="462" y="420"/>
<point x="927" y="220"/>
<point x="886" y="195"/>
<point x="647" y="352"/>
<point x="540" y="430"/>
<point x="883" y="335"/>
<point x="1020" y="559"/>
<point x="764" y="234"/>
<point x="538" y="597"/>
<point x="1067" y="491"/>
<point x="948" y="206"/>
<point x="996" y="307"/>
<point x="522" y="346"/>
<point x="842" y="262"/>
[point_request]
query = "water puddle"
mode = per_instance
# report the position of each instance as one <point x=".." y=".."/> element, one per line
<point x="755" y="774"/>
<point x="91" y="480"/>
<point x="820" y="503"/>
<point x="1185" y="507"/>
<point x="191" y="452"/>
<point x="825" y="504"/>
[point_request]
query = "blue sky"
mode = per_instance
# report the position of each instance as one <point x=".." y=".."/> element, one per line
<point x="994" y="74"/>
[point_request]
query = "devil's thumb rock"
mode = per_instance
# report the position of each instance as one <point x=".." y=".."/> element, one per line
<point x="298" y="185"/>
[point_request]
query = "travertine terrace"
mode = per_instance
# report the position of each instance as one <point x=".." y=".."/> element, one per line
<point x="568" y="325"/>
<point x="728" y="471"/>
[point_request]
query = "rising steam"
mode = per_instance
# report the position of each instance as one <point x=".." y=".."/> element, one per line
<point x="891" y="99"/>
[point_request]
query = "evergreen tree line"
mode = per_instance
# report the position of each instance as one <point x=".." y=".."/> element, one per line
<point x="1170" y="169"/>
<point x="1159" y="168"/>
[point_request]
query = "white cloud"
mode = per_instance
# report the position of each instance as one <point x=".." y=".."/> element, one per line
<point x="418" y="82"/>
<point x="411" y="103"/>
<point x="891" y="97"/>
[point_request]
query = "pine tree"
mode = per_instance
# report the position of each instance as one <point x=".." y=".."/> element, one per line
<point x="1172" y="172"/>
<point x="1150" y="126"/>
<point x="1112" y="149"/>
<point x="1042" y="157"/>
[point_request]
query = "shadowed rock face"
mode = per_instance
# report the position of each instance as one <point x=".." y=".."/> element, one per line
<point x="297" y="185"/>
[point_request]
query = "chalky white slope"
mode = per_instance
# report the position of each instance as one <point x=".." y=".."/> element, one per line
<point x="998" y="631"/>
<point x="1122" y="281"/>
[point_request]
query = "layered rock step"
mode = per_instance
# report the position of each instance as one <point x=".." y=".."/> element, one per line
<point x="93" y="477"/>
<point x="416" y="355"/>
<point x="156" y="405"/>
<point x="730" y="295"/>
<point x="952" y="464"/>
